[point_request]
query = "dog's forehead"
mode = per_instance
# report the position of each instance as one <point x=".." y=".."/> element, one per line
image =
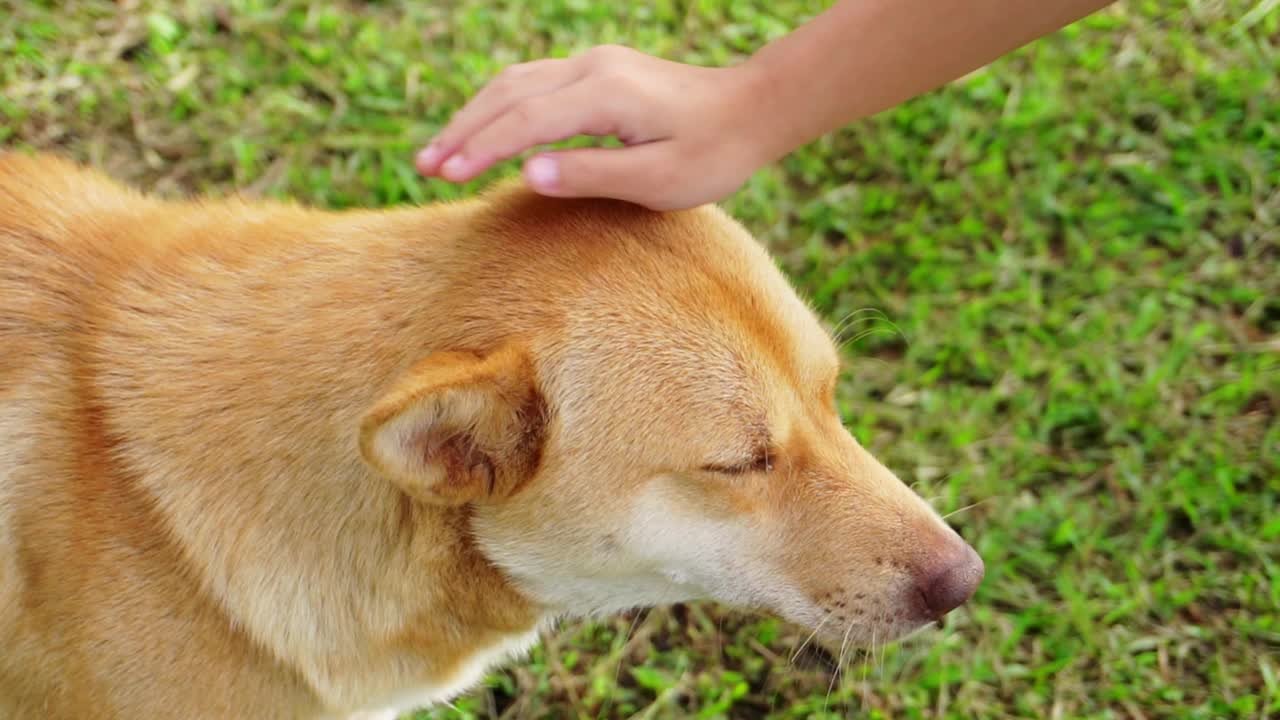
<point x="678" y="313"/>
<point x="656" y="354"/>
<point x="694" y="356"/>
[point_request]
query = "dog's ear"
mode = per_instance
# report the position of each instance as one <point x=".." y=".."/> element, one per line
<point x="458" y="427"/>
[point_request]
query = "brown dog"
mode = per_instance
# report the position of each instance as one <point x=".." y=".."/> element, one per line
<point x="258" y="461"/>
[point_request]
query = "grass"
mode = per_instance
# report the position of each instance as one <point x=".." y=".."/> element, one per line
<point x="1060" y="275"/>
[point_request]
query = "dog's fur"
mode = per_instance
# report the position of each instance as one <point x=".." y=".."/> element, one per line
<point x="263" y="461"/>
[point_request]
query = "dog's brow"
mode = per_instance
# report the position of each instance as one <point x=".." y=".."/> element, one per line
<point x="759" y="438"/>
<point x="753" y="442"/>
<point x="760" y="455"/>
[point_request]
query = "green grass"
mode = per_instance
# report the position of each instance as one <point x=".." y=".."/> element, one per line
<point x="1062" y="274"/>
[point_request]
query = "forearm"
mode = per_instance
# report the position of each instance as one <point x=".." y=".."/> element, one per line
<point x="863" y="56"/>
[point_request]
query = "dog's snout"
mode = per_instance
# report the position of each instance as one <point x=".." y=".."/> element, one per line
<point x="951" y="581"/>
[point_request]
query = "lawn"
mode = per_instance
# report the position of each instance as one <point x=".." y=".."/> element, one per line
<point x="1059" y="278"/>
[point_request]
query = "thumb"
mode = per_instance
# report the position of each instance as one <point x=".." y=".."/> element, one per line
<point x="633" y="174"/>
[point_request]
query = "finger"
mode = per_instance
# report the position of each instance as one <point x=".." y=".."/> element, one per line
<point x="511" y="86"/>
<point x="640" y="174"/>
<point x="580" y="109"/>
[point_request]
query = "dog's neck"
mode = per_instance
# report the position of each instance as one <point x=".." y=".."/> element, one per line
<point x="359" y="589"/>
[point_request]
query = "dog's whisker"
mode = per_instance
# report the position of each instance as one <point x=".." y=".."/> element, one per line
<point x="879" y="315"/>
<point x="852" y="317"/>
<point x="622" y="653"/>
<point x="866" y="675"/>
<point x="805" y="644"/>
<point x="844" y="344"/>
<point x="839" y="660"/>
<point x="970" y="506"/>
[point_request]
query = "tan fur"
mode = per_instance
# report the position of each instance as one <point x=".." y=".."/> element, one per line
<point x="264" y="461"/>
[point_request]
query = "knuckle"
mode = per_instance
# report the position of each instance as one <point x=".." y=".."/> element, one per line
<point x="498" y="91"/>
<point x="525" y="113"/>
<point x="607" y="55"/>
<point x="505" y="83"/>
<point x="619" y="82"/>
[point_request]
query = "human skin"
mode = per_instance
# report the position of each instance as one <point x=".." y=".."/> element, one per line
<point x="693" y="135"/>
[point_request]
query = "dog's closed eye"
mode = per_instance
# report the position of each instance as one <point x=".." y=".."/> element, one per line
<point x="760" y="461"/>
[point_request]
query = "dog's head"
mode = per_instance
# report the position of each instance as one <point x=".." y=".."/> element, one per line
<point x="653" y="420"/>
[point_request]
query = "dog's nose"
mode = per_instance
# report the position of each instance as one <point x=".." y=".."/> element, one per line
<point x="952" y="581"/>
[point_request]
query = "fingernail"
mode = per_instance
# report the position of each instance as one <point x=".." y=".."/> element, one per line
<point x="428" y="158"/>
<point x="454" y="167"/>
<point x="542" y="172"/>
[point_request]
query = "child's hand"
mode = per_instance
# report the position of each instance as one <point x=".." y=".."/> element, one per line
<point x="694" y="134"/>
<point x="688" y="130"/>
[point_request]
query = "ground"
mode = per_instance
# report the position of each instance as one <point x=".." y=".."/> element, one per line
<point x="1057" y="282"/>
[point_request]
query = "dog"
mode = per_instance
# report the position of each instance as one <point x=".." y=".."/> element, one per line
<point x="264" y="461"/>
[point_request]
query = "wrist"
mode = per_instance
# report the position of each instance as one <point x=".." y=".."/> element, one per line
<point x="762" y="113"/>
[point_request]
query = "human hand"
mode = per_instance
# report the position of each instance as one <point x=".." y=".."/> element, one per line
<point x="689" y="132"/>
